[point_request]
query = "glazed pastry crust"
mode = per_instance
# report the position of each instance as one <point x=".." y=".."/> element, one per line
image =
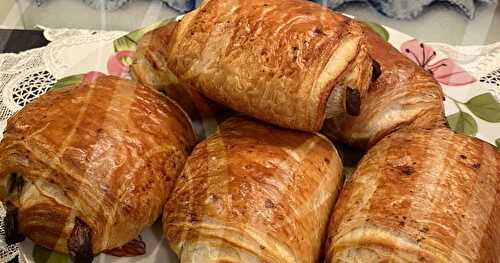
<point x="404" y="95"/>
<point x="150" y="69"/>
<point x="149" y="65"/>
<point x="277" y="61"/>
<point x="420" y="196"/>
<point x="253" y="193"/>
<point x="107" y="153"/>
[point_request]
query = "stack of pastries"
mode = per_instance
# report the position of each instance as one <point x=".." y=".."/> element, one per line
<point x="85" y="169"/>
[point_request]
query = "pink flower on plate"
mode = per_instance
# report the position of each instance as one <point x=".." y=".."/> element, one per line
<point x="116" y="67"/>
<point x="90" y="77"/>
<point x="445" y="71"/>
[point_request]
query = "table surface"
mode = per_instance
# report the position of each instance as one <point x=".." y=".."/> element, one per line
<point x="15" y="41"/>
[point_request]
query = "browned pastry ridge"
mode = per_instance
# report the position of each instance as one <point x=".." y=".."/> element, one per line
<point x="402" y="94"/>
<point x="101" y="157"/>
<point x="420" y="196"/>
<point x="149" y="68"/>
<point x="253" y="193"/>
<point x="149" y="65"/>
<point x="278" y="61"/>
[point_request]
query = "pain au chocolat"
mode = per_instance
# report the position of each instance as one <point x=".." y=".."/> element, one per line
<point x="87" y="168"/>
<point x="291" y="63"/>
<point x="420" y="196"/>
<point x="253" y="192"/>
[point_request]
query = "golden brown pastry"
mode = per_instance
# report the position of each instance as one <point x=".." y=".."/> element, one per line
<point x="253" y="193"/>
<point x="276" y="60"/>
<point x="149" y="65"/>
<point x="149" y="68"/>
<point x="420" y="196"/>
<point x="88" y="168"/>
<point x="402" y="95"/>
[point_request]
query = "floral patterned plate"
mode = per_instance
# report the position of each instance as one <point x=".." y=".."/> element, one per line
<point x="470" y="77"/>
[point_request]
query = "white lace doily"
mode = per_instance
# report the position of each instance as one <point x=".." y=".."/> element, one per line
<point x="7" y="253"/>
<point x="56" y="34"/>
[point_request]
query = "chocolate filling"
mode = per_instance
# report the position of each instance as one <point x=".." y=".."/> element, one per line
<point x="352" y="101"/>
<point x="80" y="243"/>
<point x="15" y="184"/>
<point x="376" y="70"/>
<point x="12" y="233"/>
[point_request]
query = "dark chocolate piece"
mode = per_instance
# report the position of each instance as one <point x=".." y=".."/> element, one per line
<point x="353" y="102"/>
<point x="16" y="183"/>
<point x="376" y="70"/>
<point x="80" y="243"/>
<point x="12" y="233"/>
<point x="14" y="260"/>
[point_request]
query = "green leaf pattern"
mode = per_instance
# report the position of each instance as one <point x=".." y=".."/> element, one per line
<point x="67" y="81"/>
<point x="486" y="107"/>
<point x="377" y="28"/>
<point x="463" y="122"/>
<point x="43" y="255"/>
<point x="483" y="106"/>
<point x="124" y="43"/>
